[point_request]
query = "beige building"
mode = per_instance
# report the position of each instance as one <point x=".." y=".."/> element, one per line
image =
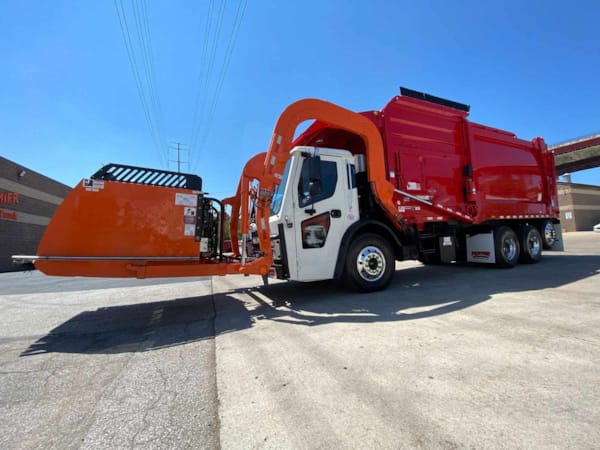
<point x="27" y="202"/>
<point x="579" y="206"/>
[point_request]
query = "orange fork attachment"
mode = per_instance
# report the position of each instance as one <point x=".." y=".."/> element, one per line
<point x="115" y="229"/>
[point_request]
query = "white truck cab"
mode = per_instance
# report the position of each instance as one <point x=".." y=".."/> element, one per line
<point x="312" y="208"/>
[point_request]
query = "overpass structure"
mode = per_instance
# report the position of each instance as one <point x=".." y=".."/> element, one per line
<point x="577" y="155"/>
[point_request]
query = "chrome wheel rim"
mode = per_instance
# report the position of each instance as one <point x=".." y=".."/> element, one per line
<point x="509" y="249"/>
<point x="549" y="233"/>
<point x="370" y="263"/>
<point x="534" y="244"/>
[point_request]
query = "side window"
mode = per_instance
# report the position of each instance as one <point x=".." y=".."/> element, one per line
<point x="327" y="183"/>
<point x="351" y="176"/>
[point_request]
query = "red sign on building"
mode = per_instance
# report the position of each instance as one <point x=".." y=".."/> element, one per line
<point x="8" y="215"/>
<point x="9" y="198"/>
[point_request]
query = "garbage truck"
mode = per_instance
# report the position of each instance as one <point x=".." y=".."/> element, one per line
<point x="345" y="199"/>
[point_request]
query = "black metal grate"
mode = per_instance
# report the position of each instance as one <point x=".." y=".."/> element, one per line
<point x="433" y="99"/>
<point x="152" y="177"/>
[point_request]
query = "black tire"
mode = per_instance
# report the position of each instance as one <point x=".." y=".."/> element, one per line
<point x="506" y="246"/>
<point x="548" y="233"/>
<point x="370" y="263"/>
<point x="531" y="244"/>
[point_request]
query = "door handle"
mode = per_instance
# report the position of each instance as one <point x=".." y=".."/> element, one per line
<point x="336" y="213"/>
<point x="310" y="211"/>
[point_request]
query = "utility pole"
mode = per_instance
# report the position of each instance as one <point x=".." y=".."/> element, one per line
<point x="179" y="147"/>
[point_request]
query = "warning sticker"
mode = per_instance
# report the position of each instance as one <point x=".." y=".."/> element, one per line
<point x="92" y="185"/>
<point x="186" y="199"/>
<point x="189" y="229"/>
<point x="189" y="220"/>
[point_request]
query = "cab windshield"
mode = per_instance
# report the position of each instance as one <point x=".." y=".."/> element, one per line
<point x="279" y="190"/>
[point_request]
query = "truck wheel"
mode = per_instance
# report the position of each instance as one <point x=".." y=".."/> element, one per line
<point x="369" y="264"/>
<point x="548" y="234"/>
<point x="506" y="246"/>
<point x="531" y="244"/>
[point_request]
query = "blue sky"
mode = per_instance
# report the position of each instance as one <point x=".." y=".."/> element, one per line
<point x="70" y="103"/>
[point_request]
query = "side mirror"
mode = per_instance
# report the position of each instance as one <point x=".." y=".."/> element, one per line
<point x="310" y="184"/>
<point x="314" y="176"/>
<point x="314" y="168"/>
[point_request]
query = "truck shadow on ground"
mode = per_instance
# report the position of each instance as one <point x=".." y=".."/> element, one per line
<point x="131" y="328"/>
<point x="415" y="293"/>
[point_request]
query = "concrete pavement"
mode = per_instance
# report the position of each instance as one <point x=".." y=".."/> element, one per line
<point x="447" y="357"/>
<point x="118" y="367"/>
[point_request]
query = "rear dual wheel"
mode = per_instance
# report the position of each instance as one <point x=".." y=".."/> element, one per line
<point x="511" y="248"/>
<point x="506" y="246"/>
<point x="531" y="244"/>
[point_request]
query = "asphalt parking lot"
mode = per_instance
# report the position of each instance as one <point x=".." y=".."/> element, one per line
<point x="447" y="357"/>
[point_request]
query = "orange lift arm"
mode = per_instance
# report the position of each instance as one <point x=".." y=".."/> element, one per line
<point x="240" y="201"/>
<point x="281" y="144"/>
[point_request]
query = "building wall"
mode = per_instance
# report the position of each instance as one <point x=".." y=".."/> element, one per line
<point x="27" y="202"/>
<point x="579" y="206"/>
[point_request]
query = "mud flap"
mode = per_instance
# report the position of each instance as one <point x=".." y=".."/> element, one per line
<point x="559" y="245"/>
<point x="480" y="248"/>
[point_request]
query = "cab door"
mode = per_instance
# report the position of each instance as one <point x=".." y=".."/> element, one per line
<point x="326" y="204"/>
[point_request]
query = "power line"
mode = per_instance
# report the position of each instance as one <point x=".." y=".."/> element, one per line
<point x="206" y="100"/>
<point x="196" y="126"/>
<point x="136" y="74"/>
<point x="202" y="72"/>
<point x="146" y="44"/>
<point x="239" y="16"/>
